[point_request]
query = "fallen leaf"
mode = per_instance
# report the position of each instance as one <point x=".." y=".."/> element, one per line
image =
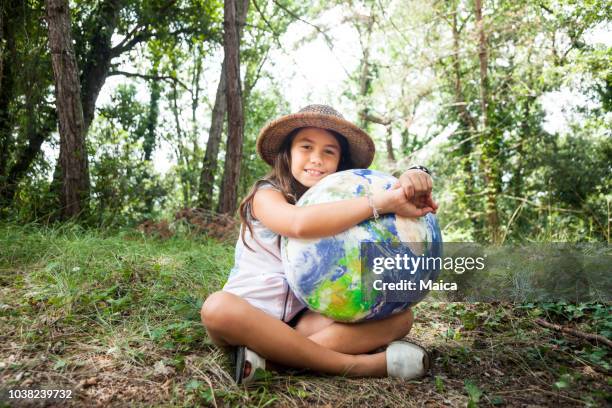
<point x="160" y="369"/>
<point x="84" y="383"/>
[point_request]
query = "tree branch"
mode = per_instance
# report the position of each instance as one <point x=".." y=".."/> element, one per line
<point x="545" y="8"/>
<point x="369" y="117"/>
<point x="327" y="38"/>
<point x="541" y="207"/>
<point x="143" y="36"/>
<point x="589" y="336"/>
<point x="126" y="45"/>
<point x="128" y="36"/>
<point x="120" y="49"/>
<point x="150" y="77"/>
<point x="248" y="87"/>
<point x="263" y="17"/>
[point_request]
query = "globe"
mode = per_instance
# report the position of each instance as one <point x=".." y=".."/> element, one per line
<point x="327" y="274"/>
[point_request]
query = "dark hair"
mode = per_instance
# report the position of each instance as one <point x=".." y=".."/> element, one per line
<point x="281" y="178"/>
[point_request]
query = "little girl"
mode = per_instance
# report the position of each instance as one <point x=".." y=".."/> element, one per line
<point x="256" y="310"/>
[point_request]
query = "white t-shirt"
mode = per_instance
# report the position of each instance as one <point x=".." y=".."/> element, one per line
<point x="258" y="275"/>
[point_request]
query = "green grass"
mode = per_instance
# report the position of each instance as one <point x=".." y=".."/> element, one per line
<point x="120" y="295"/>
<point x="114" y="316"/>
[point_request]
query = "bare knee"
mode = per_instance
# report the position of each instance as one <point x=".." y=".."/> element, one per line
<point x="217" y="311"/>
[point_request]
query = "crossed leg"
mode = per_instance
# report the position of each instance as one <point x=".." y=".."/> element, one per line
<point x="317" y="343"/>
<point x="354" y="338"/>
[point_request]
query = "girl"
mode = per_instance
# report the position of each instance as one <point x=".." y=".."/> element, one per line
<point x="256" y="309"/>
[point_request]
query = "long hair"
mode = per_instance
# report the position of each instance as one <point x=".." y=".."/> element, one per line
<point x="282" y="179"/>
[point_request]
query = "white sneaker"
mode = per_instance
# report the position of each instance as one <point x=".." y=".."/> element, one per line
<point x="407" y="360"/>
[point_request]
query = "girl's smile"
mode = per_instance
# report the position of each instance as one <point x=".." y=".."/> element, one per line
<point x="314" y="173"/>
<point x="315" y="153"/>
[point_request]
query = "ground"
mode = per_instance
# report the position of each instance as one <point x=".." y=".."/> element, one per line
<point x="113" y="317"/>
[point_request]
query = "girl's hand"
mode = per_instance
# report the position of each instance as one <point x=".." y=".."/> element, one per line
<point x="417" y="186"/>
<point x="394" y="201"/>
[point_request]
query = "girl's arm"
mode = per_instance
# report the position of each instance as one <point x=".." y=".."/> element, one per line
<point x="322" y="220"/>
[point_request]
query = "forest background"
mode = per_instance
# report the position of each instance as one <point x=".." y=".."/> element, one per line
<point x="117" y="114"/>
<point x="509" y="106"/>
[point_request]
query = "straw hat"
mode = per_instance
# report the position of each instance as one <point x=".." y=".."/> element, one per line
<point x="274" y="133"/>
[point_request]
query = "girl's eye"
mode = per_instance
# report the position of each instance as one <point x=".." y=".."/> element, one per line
<point x="305" y="147"/>
<point x="332" y="152"/>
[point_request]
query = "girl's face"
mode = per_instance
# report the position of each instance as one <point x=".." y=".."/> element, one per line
<point x="315" y="153"/>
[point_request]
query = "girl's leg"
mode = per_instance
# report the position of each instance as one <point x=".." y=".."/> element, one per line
<point x="231" y="320"/>
<point x="354" y="338"/>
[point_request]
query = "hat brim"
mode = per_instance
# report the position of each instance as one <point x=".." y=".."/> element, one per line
<point x="271" y="137"/>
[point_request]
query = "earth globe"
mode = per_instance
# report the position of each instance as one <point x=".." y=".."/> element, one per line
<point x="334" y="275"/>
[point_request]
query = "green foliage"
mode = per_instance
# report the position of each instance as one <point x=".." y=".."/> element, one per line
<point x="544" y="184"/>
<point x="122" y="182"/>
<point x="27" y="113"/>
<point x="590" y="317"/>
<point x="439" y="384"/>
<point x="473" y="392"/>
<point x="81" y="274"/>
<point x="568" y="173"/>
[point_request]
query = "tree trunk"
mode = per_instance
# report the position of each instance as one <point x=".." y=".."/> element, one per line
<point x="408" y="121"/>
<point x="466" y="121"/>
<point x="525" y="136"/>
<point x="195" y="97"/>
<point x="364" y="87"/>
<point x="8" y="15"/>
<point x="95" y="70"/>
<point x="235" y="118"/>
<point x="149" y="140"/>
<point x="36" y="136"/>
<point x="73" y="153"/>
<point x="389" y="142"/>
<point x="98" y="59"/>
<point x="365" y="82"/>
<point x="209" y="167"/>
<point x="488" y="139"/>
<point x="2" y="40"/>
<point x="93" y="78"/>
<point x="483" y="59"/>
<point x="182" y="156"/>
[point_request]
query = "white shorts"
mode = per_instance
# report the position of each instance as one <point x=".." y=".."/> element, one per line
<point x="269" y="292"/>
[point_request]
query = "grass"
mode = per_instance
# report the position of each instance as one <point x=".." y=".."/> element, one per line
<point x="114" y="317"/>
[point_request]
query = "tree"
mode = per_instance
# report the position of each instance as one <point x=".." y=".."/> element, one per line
<point x="97" y="60"/>
<point x="125" y="188"/>
<point x="73" y="153"/>
<point x="235" y="118"/>
<point x="364" y="25"/>
<point x="467" y="123"/>
<point x="489" y="136"/>
<point x="96" y="24"/>
<point x="27" y="118"/>
<point x="209" y="165"/>
<point x="8" y="28"/>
